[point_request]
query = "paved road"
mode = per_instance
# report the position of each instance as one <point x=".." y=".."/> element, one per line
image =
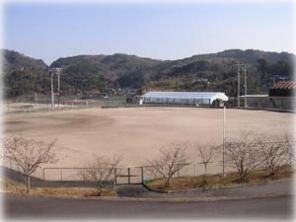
<point x="36" y="207"/>
<point x="274" y="188"/>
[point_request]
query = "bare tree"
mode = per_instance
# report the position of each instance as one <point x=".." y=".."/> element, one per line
<point x="207" y="154"/>
<point x="274" y="153"/>
<point x="289" y="143"/>
<point x="100" y="170"/>
<point x="28" y="154"/>
<point x="171" y="160"/>
<point x="242" y="155"/>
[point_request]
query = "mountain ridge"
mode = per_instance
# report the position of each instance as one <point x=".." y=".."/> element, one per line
<point x="156" y="59"/>
<point x="111" y="73"/>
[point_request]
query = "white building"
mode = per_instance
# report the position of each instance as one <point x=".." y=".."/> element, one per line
<point x="184" y="98"/>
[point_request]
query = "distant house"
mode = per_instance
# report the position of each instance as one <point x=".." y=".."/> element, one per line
<point x="283" y="88"/>
<point x="185" y="98"/>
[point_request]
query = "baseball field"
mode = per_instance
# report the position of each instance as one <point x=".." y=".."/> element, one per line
<point x="137" y="133"/>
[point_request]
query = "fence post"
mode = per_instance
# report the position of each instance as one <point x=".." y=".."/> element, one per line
<point x="61" y="174"/>
<point x="128" y="175"/>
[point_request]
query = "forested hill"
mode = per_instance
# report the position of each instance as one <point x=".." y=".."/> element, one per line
<point x="121" y="73"/>
<point x="24" y="75"/>
<point x="104" y="73"/>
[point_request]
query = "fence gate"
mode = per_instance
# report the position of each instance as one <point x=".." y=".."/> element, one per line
<point x="130" y="175"/>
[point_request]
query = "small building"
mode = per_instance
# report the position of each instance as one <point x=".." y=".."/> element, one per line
<point x="215" y="99"/>
<point x="281" y="97"/>
<point x="283" y="88"/>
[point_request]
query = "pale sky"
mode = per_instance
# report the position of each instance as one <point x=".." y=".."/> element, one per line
<point x="160" y="31"/>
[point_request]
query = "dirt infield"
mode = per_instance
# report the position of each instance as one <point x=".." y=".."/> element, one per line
<point x="138" y="133"/>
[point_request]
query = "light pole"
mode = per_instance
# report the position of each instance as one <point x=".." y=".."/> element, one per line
<point x="245" y="72"/>
<point x="52" y="90"/>
<point x="52" y="72"/>
<point x="239" y="66"/>
<point x="59" y="93"/>
<point x="238" y="85"/>
<point x="224" y="140"/>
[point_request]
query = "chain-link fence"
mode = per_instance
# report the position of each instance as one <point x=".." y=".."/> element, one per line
<point x="143" y="174"/>
<point x="13" y="165"/>
<point x="120" y="175"/>
<point x="26" y="105"/>
<point x="265" y="103"/>
<point x="190" y="170"/>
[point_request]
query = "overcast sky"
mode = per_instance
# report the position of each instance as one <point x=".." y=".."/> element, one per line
<point x="165" y="31"/>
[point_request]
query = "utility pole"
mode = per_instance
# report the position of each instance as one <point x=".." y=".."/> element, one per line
<point x="58" y="72"/>
<point x="239" y="66"/>
<point x="224" y="140"/>
<point x="52" y="72"/>
<point x="238" y="85"/>
<point x="246" y="104"/>
<point x="52" y="90"/>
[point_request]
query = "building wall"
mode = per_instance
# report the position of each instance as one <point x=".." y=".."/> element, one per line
<point x="196" y="101"/>
<point x="282" y="92"/>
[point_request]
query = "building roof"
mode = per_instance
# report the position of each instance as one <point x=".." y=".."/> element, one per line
<point x="254" y="95"/>
<point x="187" y="95"/>
<point x="284" y="85"/>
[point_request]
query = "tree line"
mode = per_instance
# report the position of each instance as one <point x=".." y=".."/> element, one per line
<point x="85" y="75"/>
<point x="244" y="154"/>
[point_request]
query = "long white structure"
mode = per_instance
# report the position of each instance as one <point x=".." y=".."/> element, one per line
<point x="189" y="98"/>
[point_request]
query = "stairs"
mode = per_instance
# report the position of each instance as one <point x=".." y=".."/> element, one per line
<point x="138" y="190"/>
<point x="132" y="190"/>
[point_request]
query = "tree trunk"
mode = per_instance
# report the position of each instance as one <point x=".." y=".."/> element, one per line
<point x="271" y="172"/>
<point x="205" y="177"/>
<point x="167" y="182"/>
<point x="100" y="190"/>
<point x="28" y="184"/>
<point x="241" y="176"/>
<point x="242" y="172"/>
<point x="98" y="186"/>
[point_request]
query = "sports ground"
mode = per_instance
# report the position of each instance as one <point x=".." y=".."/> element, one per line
<point x="138" y="133"/>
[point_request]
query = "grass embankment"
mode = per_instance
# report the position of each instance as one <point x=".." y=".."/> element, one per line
<point x="257" y="176"/>
<point x="13" y="187"/>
